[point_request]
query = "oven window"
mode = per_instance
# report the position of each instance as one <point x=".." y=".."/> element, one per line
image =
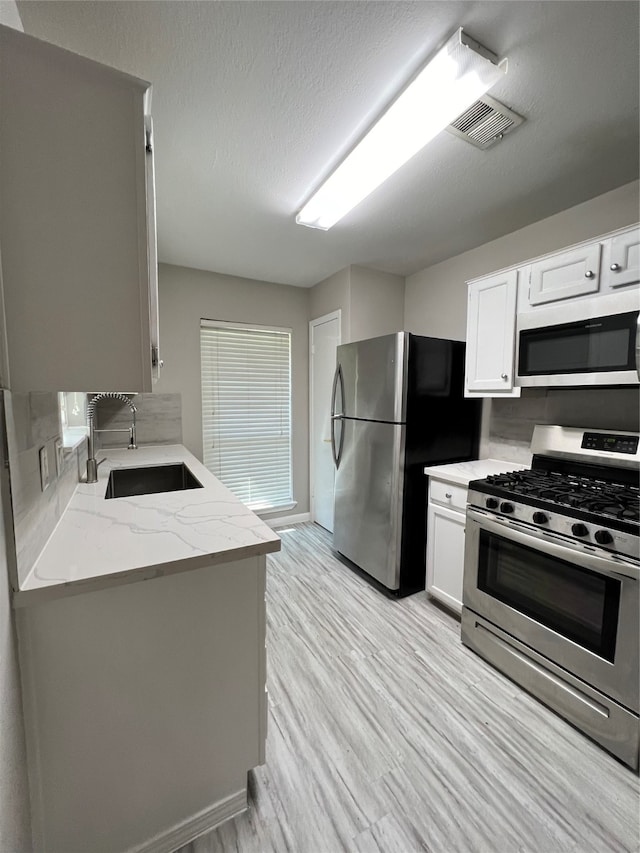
<point x="579" y="604"/>
<point x="601" y="344"/>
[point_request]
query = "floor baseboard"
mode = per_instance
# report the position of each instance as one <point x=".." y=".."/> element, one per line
<point x="287" y="520"/>
<point x="193" y="827"/>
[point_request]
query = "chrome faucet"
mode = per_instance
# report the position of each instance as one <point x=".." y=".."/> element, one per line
<point x="92" y="464"/>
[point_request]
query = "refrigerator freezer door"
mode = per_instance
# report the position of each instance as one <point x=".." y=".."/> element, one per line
<point x="368" y="498"/>
<point x="373" y="374"/>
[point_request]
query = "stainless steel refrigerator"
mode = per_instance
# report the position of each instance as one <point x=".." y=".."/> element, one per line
<point x="397" y="405"/>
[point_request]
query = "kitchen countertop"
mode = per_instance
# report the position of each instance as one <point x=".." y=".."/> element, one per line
<point x="475" y="469"/>
<point x="100" y="543"/>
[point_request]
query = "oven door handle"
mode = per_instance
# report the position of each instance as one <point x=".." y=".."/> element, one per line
<point x="604" y="565"/>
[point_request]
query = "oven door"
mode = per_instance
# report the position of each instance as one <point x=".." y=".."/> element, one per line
<point x="577" y="608"/>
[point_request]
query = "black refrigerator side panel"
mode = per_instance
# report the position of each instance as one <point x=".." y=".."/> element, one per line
<point x="442" y="427"/>
<point x="414" y="531"/>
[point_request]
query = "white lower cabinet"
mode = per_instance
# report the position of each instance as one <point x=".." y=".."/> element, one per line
<point x="445" y="542"/>
<point x="145" y="707"/>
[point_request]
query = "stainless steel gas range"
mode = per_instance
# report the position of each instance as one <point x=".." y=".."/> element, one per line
<point x="551" y="593"/>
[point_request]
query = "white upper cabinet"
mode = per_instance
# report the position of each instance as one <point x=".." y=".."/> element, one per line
<point x="565" y="275"/>
<point x="621" y="259"/>
<point x="491" y="318"/>
<point x="580" y="274"/>
<point x="77" y="238"/>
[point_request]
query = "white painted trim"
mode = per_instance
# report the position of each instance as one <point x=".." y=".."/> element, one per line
<point x="262" y="513"/>
<point x="287" y="520"/>
<point x="259" y="327"/>
<point x="318" y="321"/>
<point x="193" y="827"/>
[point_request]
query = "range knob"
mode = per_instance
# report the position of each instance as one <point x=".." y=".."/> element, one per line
<point x="603" y="537"/>
<point x="506" y="507"/>
<point x="492" y="503"/>
<point x="579" y="529"/>
<point x="540" y="518"/>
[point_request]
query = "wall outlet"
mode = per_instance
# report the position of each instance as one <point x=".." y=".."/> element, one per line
<point x="59" y="456"/>
<point x="44" y="468"/>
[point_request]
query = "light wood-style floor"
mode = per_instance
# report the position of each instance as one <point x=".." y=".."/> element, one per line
<point x="387" y="735"/>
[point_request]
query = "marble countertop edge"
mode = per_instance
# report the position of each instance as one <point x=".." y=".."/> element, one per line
<point x="38" y="595"/>
<point x="463" y="473"/>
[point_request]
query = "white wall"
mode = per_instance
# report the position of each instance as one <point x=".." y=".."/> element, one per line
<point x="186" y="296"/>
<point x="436" y="297"/>
<point x="331" y="294"/>
<point x="377" y="303"/>
<point x="15" y="824"/>
<point x="371" y="302"/>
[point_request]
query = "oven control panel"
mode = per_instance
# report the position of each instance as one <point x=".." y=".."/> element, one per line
<point x="611" y="442"/>
<point x="554" y="523"/>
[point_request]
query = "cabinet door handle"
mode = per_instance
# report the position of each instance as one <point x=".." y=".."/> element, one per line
<point x="504" y="376"/>
<point x="589" y="274"/>
<point x="447" y="495"/>
<point x="615" y="267"/>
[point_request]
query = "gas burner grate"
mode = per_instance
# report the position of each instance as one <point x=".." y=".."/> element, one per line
<point x="614" y="500"/>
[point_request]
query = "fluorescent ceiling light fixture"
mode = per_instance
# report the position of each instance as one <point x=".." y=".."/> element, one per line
<point x="460" y="73"/>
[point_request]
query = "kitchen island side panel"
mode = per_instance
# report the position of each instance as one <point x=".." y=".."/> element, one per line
<point x="145" y="707"/>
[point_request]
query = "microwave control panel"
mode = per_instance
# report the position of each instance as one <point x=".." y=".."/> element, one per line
<point x="610" y="442"/>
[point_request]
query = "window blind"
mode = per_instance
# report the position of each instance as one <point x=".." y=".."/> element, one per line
<point x="246" y="411"/>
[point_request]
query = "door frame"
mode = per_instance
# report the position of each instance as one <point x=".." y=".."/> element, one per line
<point x="317" y="321"/>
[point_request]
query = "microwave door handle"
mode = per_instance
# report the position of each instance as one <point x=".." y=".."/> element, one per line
<point x="638" y="345"/>
<point x="562" y="550"/>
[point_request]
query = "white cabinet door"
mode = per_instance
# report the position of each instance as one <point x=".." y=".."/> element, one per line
<point x="491" y="321"/>
<point x="566" y="275"/>
<point x="445" y="555"/>
<point x="621" y="259"/>
<point x="74" y="232"/>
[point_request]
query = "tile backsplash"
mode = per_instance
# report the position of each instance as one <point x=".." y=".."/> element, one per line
<point x="33" y="422"/>
<point x="158" y="420"/>
<point x="512" y="420"/>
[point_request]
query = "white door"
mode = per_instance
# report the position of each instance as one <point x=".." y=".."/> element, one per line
<point x="324" y="337"/>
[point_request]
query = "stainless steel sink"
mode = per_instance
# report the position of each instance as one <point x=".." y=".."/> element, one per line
<point x="150" y="480"/>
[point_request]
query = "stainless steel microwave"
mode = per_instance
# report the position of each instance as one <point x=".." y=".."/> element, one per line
<point x="582" y="342"/>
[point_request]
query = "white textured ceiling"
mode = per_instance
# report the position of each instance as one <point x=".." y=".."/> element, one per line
<point x="255" y="102"/>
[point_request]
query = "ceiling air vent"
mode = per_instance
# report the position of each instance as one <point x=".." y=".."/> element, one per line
<point x="485" y="122"/>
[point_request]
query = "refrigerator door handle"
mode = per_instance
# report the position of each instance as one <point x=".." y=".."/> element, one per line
<point x="337" y="456"/>
<point x="337" y="378"/>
